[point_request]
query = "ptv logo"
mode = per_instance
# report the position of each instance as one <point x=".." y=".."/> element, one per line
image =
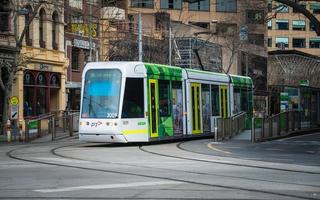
<point x="96" y="124"/>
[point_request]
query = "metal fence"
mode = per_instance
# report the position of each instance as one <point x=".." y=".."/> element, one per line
<point x="282" y="124"/>
<point x="58" y="123"/>
<point x="229" y="127"/>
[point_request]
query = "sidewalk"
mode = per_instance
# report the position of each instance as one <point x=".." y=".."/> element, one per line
<point x="44" y="138"/>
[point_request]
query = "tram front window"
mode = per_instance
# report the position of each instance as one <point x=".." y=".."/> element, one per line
<point x="101" y="94"/>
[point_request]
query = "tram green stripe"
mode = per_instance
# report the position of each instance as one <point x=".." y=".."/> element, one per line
<point x="241" y="81"/>
<point x="157" y="71"/>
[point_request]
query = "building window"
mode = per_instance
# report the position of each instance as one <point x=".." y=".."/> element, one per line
<point x="315" y="7"/>
<point x="171" y="4"/>
<point x="270" y="24"/>
<point x="226" y="6"/>
<point x="75" y="3"/>
<point x="256" y="39"/>
<point x="55" y="26"/>
<point x="299" y="42"/>
<point x="282" y="24"/>
<point x="314" y="43"/>
<point x="269" y="5"/>
<point x="27" y="26"/>
<point x="282" y="42"/>
<point x="4" y="16"/>
<point x="75" y="58"/>
<point x="302" y="4"/>
<point x="255" y="16"/>
<point x="200" y="5"/>
<point x="226" y="29"/>
<point x="299" y="25"/>
<point x="269" y="42"/>
<point x="282" y="8"/>
<point x="40" y="96"/>
<point x="311" y="25"/>
<point x="142" y="3"/>
<point x="201" y="24"/>
<point x="42" y="15"/>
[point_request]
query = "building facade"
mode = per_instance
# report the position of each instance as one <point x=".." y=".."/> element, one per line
<point x="237" y="26"/>
<point x="290" y="30"/>
<point x="80" y="17"/>
<point x="40" y="84"/>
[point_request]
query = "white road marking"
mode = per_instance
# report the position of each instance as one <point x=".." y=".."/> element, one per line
<point x="107" y="186"/>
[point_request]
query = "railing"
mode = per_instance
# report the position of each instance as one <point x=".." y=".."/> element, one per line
<point x="282" y="124"/>
<point x="57" y="123"/>
<point x="35" y="128"/>
<point x="229" y="127"/>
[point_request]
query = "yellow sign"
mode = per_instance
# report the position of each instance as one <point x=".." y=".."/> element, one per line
<point x="80" y="28"/>
<point x="14" y="101"/>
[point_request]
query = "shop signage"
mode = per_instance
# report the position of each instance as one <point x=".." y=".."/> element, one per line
<point x="43" y="67"/>
<point x="83" y="44"/>
<point x="304" y="82"/>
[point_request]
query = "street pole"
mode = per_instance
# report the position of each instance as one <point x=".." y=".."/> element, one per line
<point x="90" y="31"/>
<point x="170" y="45"/>
<point x="140" y="37"/>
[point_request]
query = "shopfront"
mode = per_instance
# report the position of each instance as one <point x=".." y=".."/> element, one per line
<point x="41" y="92"/>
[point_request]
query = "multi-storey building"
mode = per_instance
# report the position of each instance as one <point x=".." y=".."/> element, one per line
<point x="288" y="29"/>
<point x="81" y="16"/>
<point x="237" y="26"/>
<point x="7" y="41"/>
<point x="40" y="84"/>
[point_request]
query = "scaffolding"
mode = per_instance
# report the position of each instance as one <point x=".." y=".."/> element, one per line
<point x="197" y="54"/>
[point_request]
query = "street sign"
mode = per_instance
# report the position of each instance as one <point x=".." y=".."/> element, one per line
<point x="243" y="32"/>
<point x="14" y="101"/>
<point x="14" y="112"/>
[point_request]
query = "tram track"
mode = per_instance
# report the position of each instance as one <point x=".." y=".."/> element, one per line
<point x="223" y="163"/>
<point x="53" y="151"/>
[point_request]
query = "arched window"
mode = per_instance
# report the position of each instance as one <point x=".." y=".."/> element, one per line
<point x="41" y="79"/>
<point x="27" y="25"/>
<point x="4" y="16"/>
<point x="42" y="15"/>
<point x="55" y="26"/>
<point x="28" y="79"/>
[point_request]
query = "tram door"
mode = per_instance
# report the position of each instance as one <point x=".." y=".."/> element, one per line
<point x="224" y="101"/>
<point x="153" y="108"/>
<point x="195" y="104"/>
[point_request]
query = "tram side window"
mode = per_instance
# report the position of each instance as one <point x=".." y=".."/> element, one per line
<point x="133" y="99"/>
<point x="215" y="101"/>
<point x="164" y="98"/>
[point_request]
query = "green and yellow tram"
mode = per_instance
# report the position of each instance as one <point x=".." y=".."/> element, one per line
<point x="140" y="102"/>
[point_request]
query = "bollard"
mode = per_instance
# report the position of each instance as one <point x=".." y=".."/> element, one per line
<point x="20" y="131"/>
<point x="8" y="127"/>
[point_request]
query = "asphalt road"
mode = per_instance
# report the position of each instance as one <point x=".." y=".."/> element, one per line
<point x="195" y="169"/>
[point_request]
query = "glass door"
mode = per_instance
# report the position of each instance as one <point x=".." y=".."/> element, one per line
<point x="195" y="104"/>
<point x="153" y="108"/>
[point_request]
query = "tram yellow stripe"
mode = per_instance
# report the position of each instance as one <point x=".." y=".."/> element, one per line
<point x="127" y="132"/>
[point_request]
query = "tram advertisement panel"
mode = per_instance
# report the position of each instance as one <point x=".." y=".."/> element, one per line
<point x="177" y="108"/>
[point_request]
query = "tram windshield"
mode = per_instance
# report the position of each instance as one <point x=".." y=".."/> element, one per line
<point x="101" y="94"/>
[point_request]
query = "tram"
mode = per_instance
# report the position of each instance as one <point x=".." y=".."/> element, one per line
<point x="125" y="102"/>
